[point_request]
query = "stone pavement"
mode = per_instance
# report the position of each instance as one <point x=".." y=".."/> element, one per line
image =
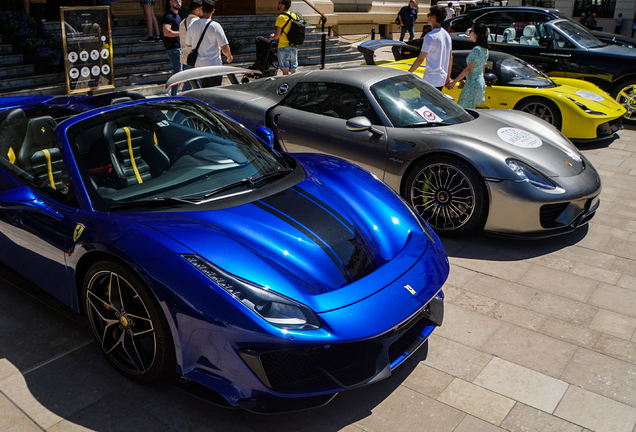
<point x="538" y="336"/>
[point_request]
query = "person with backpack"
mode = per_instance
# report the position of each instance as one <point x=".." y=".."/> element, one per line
<point x="208" y="42"/>
<point x="287" y="25"/>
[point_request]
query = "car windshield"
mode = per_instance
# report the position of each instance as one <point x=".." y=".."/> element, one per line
<point x="578" y="34"/>
<point x="516" y="72"/>
<point x="410" y="102"/>
<point x="167" y="151"/>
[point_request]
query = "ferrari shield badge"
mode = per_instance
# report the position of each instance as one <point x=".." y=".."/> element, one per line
<point x="77" y="232"/>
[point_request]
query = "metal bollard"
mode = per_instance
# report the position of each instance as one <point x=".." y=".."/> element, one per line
<point x="323" y="49"/>
<point x="329" y="31"/>
<point x="372" y="33"/>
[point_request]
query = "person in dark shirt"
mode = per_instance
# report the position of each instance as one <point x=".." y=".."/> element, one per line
<point x="171" y="21"/>
<point x="408" y="15"/>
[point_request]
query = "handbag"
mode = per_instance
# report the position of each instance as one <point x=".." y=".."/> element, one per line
<point x="192" y="57"/>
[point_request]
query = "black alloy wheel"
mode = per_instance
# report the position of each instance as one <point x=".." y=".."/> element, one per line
<point x="448" y="194"/>
<point x="128" y="323"/>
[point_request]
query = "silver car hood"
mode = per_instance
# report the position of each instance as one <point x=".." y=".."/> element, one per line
<point x="521" y="136"/>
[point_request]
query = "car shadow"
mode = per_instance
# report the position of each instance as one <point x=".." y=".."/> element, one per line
<point x="489" y="247"/>
<point x="56" y="375"/>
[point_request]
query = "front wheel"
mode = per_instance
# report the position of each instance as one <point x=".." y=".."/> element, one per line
<point x="448" y="194"/>
<point x="542" y="108"/>
<point x="625" y="94"/>
<point x="128" y="323"/>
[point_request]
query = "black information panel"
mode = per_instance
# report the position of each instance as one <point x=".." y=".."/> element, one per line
<point x="88" y="49"/>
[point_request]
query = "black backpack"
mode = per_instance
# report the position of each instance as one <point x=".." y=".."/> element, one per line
<point x="296" y="32"/>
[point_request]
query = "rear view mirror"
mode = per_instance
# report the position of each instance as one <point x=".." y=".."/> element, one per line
<point x="361" y="124"/>
<point x="490" y="78"/>
<point x="545" y="41"/>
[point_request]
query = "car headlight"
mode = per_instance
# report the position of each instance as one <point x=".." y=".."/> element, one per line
<point x="531" y="175"/>
<point x="585" y="108"/>
<point x="274" y="308"/>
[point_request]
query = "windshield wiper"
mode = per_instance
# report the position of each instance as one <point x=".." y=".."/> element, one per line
<point x="253" y="181"/>
<point x="153" y="202"/>
<point x="427" y="124"/>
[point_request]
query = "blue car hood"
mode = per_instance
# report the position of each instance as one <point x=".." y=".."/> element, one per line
<point x="338" y="227"/>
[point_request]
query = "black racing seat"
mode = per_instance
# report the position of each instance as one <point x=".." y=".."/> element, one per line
<point x="40" y="155"/>
<point x="135" y="155"/>
<point x="12" y="132"/>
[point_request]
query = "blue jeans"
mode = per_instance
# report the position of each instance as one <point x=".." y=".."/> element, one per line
<point x="403" y="32"/>
<point x="288" y="58"/>
<point x="175" y="58"/>
<point x="186" y="85"/>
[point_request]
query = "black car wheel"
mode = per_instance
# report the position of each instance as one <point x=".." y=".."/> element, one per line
<point x="449" y="195"/>
<point x="128" y="323"/>
<point x="542" y="108"/>
<point x="625" y="94"/>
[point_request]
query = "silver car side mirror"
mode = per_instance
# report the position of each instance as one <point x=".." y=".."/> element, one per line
<point x="361" y="124"/>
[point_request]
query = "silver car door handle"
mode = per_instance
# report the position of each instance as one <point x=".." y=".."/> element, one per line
<point x="556" y="55"/>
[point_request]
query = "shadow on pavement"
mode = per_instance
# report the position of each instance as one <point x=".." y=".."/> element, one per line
<point x="50" y="367"/>
<point x="487" y="247"/>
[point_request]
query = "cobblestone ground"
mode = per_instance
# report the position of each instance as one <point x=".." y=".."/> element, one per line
<point x="538" y="336"/>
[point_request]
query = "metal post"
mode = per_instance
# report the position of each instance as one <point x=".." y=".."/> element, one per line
<point x="329" y="31"/>
<point x="323" y="49"/>
<point x="323" y="20"/>
<point x="372" y="33"/>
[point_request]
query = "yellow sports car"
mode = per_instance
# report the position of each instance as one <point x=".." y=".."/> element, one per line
<point x="579" y="109"/>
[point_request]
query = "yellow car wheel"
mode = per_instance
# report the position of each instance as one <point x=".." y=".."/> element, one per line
<point x="543" y="108"/>
<point x="625" y="94"/>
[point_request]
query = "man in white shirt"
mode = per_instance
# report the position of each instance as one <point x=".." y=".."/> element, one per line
<point x="214" y="42"/>
<point x="436" y="49"/>
<point x="195" y="13"/>
<point x="450" y="11"/>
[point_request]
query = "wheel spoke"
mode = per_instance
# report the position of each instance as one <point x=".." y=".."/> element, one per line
<point x="115" y="292"/>
<point x="130" y="348"/>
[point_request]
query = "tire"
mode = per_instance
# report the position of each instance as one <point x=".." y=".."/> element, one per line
<point x="543" y="108"/>
<point x="625" y="94"/>
<point x="128" y="323"/>
<point x="448" y="194"/>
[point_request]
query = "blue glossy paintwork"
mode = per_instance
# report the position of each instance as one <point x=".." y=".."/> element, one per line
<point x="209" y="325"/>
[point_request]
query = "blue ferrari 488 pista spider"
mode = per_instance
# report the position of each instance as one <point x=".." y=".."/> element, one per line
<point x="195" y="250"/>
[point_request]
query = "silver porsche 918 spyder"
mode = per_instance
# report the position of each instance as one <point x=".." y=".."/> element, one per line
<point x="502" y="171"/>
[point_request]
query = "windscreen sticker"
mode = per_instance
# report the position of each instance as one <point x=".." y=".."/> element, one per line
<point x="429" y="115"/>
<point x="590" y="95"/>
<point x="519" y="138"/>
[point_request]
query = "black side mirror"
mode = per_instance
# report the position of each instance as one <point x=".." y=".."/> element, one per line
<point x="490" y="78"/>
<point x="546" y="41"/>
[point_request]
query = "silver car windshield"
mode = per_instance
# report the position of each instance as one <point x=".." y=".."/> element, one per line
<point x="515" y="72"/>
<point x="409" y="102"/>
<point x="578" y="34"/>
<point x="166" y="150"/>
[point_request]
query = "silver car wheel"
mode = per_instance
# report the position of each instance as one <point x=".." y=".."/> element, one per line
<point x="444" y="196"/>
<point x="544" y="109"/>
<point x="126" y="323"/>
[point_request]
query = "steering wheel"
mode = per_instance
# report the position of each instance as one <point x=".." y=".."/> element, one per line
<point x="192" y="145"/>
<point x="417" y="102"/>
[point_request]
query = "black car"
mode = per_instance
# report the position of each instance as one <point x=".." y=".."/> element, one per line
<point x="525" y="14"/>
<point x="562" y="48"/>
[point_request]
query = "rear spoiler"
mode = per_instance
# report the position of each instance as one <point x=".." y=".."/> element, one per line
<point x="401" y="50"/>
<point x="194" y="74"/>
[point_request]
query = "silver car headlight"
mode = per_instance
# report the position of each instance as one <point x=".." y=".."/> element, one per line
<point x="274" y="308"/>
<point x="531" y="175"/>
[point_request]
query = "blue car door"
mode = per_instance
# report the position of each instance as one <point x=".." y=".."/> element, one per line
<point x="36" y="215"/>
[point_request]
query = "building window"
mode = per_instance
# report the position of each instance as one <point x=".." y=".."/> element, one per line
<point x="602" y="8"/>
<point x="538" y="3"/>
